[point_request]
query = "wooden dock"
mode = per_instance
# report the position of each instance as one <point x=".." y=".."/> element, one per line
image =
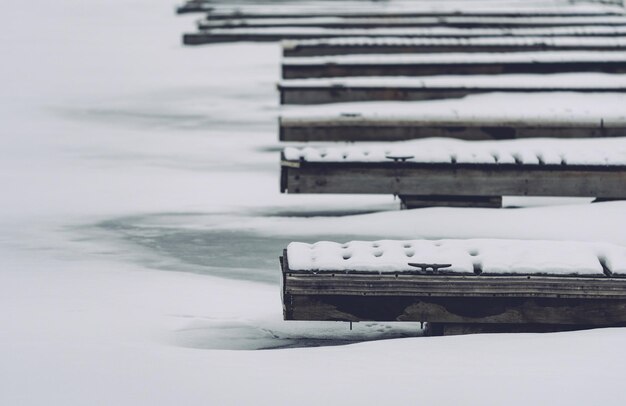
<point x="455" y="183"/>
<point x="357" y="128"/>
<point x="393" y="45"/>
<point x="455" y="286"/>
<point x="194" y="6"/>
<point x="434" y="65"/>
<point x="317" y="91"/>
<point x="290" y="13"/>
<point x="295" y="33"/>
<point x="417" y="22"/>
<point x="455" y="301"/>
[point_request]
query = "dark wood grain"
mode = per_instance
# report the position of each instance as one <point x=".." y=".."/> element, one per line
<point x="476" y="22"/>
<point x="343" y="69"/>
<point x="461" y="303"/>
<point x="338" y="93"/>
<point x="355" y="128"/>
<point x="414" y="179"/>
<point x="249" y="15"/>
<point x="303" y="50"/>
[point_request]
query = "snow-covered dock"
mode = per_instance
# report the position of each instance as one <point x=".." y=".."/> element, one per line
<point x="355" y="127"/>
<point x="273" y="34"/>
<point x="194" y="6"/>
<point x="399" y="45"/>
<point x="316" y="91"/>
<point x="410" y="22"/>
<point x="289" y="12"/>
<point x="454" y="64"/>
<point x="460" y="173"/>
<point x="457" y="284"/>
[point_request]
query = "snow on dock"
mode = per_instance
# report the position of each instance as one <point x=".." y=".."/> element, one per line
<point x="395" y="8"/>
<point x="453" y="64"/>
<point x="611" y="152"/>
<point x="451" y="58"/>
<point x="399" y="45"/>
<point x="456" y="21"/>
<point x="514" y="109"/>
<point x="492" y="116"/>
<point x="473" y="256"/>
<point x="273" y="34"/>
<point x="438" y="172"/>
<point x="577" y="10"/>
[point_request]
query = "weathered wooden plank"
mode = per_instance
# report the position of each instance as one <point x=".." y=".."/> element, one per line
<point x="399" y="284"/>
<point x="465" y="310"/>
<point x="416" y="22"/>
<point x="415" y="202"/>
<point x="382" y="13"/>
<point x="424" y="179"/>
<point x="447" y="329"/>
<point x="442" y="45"/>
<point x="455" y="303"/>
<point x="278" y="34"/>
<point x="354" y="128"/>
<point x="339" y="93"/>
<point x="321" y="69"/>
<point x="194" y="6"/>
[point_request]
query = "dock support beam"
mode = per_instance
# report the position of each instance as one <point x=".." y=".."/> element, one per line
<point x="414" y="202"/>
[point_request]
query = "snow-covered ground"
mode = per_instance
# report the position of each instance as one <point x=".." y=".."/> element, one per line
<point x="141" y="224"/>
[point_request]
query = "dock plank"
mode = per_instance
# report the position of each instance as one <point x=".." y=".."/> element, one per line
<point x="291" y="12"/>
<point x="351" y="128"/>
<point x="293" y="33"/>
<point x="394" y="45"/>
<point x="423" y="179"/>
<point x="417" y="22"/>
<point x="453" y="64"/>
<point x="318" y="91"/>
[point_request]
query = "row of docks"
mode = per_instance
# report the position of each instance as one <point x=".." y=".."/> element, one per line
<point x="366" y="70"/>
